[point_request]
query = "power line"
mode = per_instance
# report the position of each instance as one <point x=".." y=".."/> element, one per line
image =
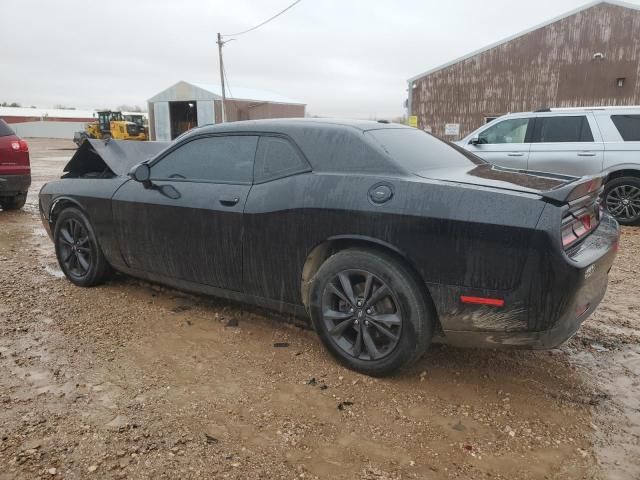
<point x="263" y="23"/>
<point x="226" y="79"/>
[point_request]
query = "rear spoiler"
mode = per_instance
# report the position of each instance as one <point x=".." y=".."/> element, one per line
<point x="119" y="156"/>
<point x="573" y="190"/>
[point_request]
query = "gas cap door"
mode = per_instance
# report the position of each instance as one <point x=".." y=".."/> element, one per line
<point x="381" y="193"/>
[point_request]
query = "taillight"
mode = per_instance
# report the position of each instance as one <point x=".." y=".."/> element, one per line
<point x="578" y="224"/>
<point x="19" y="146"/>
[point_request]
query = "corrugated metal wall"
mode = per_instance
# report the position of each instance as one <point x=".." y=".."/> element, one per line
<point x="251" y="110"/>
<point x="553" y="66"/>
<point x="48" y="129"/>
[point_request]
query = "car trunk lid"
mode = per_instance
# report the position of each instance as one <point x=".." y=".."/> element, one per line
<point x="553" y="187"/>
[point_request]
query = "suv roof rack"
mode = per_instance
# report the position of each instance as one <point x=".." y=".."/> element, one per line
<point x="546" y="109"/>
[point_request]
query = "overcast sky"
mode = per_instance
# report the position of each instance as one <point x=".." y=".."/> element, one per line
<point x="347" y="58"/>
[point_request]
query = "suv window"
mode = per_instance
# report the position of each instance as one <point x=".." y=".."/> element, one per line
<point x="5" y="130"/>
<point x="628" y="126"/>
<point x="562" y="129"/>
<point x="513" y="130"/>
<point x="276" y="157"/>
<point x="216" y="159"/>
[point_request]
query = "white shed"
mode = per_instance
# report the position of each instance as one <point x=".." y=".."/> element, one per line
<point x="186" y="105"/>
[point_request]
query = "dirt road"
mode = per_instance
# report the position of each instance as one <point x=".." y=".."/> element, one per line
<point x="129" y="380"/>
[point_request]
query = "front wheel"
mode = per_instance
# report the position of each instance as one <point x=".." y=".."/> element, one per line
<point x="622" y="199"/>
<point x="370" y="311"/>
<point x="79" y="254"/>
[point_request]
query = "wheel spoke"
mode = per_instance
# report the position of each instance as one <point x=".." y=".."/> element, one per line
<point x="346" y="287"/>
<point x="83" y="240"/>
<point x="378" y="295"/>
<point x="341" y="327"/>
<point x="388" y="319"/>
<point x="74" y="227"/>
<point x="336" y="315"/>
<point x="73" y="261"/>
<point x="369" y="343"/>
<point x="67" y="256"/>
<point x="367" y="286"/>
<point x="66" y="236"/>
<point x="82" y="260"/>
<point x="384" y="330"/>
<point x="333" y="289"/>
<point x="357" y="345"/>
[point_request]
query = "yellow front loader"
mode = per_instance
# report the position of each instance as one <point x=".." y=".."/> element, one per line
<point x="111" y="125"/>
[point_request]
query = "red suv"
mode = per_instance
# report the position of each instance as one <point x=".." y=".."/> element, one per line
<point x="15" y="170"/>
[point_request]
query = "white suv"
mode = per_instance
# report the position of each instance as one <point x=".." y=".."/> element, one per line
<point x="573" y="141"/>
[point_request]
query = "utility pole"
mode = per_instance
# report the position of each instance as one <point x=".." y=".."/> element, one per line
<point x="224" y="96"/>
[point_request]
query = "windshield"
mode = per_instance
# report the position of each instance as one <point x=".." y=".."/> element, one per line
<point x="5" y="130"/>
<point x="417" y="151"/>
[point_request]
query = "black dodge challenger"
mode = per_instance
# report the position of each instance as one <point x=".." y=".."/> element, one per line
<point x="385" y="236"/>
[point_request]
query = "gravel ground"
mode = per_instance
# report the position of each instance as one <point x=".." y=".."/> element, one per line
<point x="131" y="380"/>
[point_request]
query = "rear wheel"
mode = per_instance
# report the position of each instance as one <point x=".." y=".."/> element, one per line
<point x="79" y="255"/>
<point x="13" y="203"/>
<point x="370" y="311"/>
<point x="622" y="199"/>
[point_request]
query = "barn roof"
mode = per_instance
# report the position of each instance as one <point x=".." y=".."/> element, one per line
<point x="529" y="30"/>
<point x="202" y="91"/>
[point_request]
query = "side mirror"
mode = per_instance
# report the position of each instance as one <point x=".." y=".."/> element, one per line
<point x="474" y="141"/>
<point x="141" y="173"/>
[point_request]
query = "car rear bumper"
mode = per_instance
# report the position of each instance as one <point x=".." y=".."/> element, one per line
<point x="586" y="271"/>
<point x="14" y="184"/>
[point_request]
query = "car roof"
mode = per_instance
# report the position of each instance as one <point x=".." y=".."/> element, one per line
<point x="333" y="145"/>
<point x="283" y="125"/>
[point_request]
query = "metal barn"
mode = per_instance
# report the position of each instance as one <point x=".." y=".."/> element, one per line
<point x="586" y="57"/>
<point x="186" y="105"/>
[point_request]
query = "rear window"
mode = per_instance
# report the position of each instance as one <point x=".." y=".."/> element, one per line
<point x="562" y="129"/>
<point x="628" y="126"/>
<point x="5" y="130"/>
<point x="416" y="151"/>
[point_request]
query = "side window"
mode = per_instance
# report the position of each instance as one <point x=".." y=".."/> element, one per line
<point x="507" y="131"/>
<point x="226" y="159"/>
<point x="628" y="126"/>
<point x="277" y="157"/>
<point x="562" y="129"/>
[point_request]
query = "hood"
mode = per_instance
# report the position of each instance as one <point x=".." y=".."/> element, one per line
<point x="552" y="186"/>
<point x="118" y="155"/>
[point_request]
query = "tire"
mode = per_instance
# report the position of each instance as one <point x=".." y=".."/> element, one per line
<point x="77" y="250"/>
<point x="348" y="328"/>
<point x="616" y="193"/>
<point x="14" y="203"/>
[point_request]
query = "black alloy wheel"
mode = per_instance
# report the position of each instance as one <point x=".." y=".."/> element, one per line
<point x="362" y="315"/>
<point x="622" y="199"/>
<point x="79" y="255"/>
<point x="75" y="251"/>
<point x="371" y="311"/>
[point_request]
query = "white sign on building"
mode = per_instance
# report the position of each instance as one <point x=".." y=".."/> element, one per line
<point x="452" y="129"/>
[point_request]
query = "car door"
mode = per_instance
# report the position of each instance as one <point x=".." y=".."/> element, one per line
<point x="504" y="142"/>
<point x="566" y="143"/>
<point x="275" y="221"/>
<point x="189" y="224"/>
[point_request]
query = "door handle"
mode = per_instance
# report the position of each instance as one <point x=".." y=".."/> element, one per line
<point x="229" y="202"/>
<point x="516" y="154"/>
<point x="586" y="154"/>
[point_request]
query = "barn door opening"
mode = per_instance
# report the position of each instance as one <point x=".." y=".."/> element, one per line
<point x="184" y="116"/>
